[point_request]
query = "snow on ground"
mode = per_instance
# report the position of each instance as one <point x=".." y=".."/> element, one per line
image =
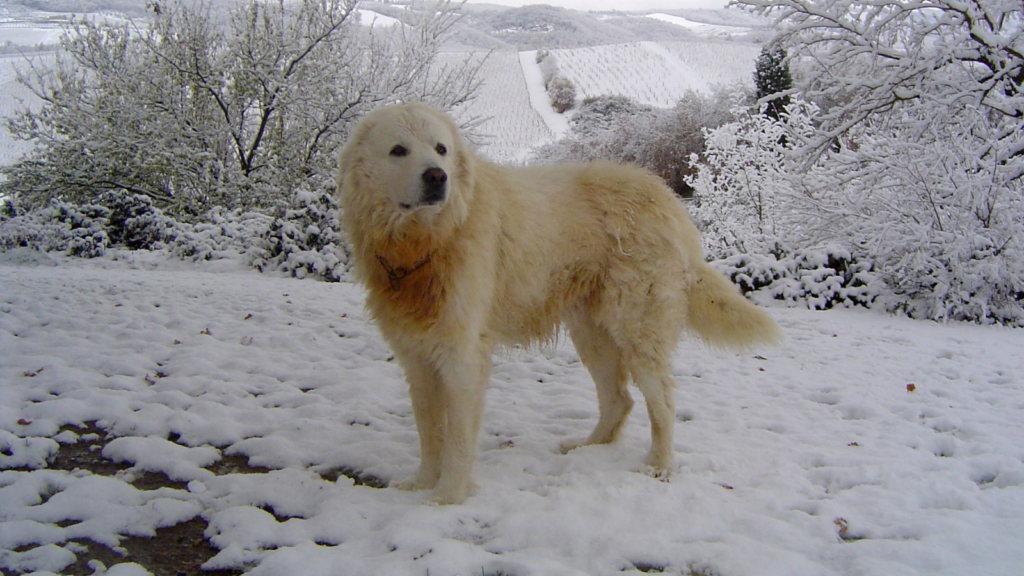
<point x="815" y="458"/>
<point x="557" y="123"/>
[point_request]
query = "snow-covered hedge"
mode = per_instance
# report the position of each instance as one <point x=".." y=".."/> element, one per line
<point x="305" y="240"/>
<point x="301" y="240"/>
<point x="817" y="279"/>
<point x="61" y="227"/>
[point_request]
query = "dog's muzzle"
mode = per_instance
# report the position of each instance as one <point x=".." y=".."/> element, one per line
<point x="435" y="186"/>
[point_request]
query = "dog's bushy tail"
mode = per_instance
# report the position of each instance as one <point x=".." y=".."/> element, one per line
<point x="723" y="317"/>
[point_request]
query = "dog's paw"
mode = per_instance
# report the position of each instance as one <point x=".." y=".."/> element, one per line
<point x="569" y="446"/>
<point x="451" y="493"/>
<point x="658" y="467"/>
<point x="415" y="483"/>
<point x="661" y="474"/>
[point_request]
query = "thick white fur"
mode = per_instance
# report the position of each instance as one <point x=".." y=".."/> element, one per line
<point x="512" y="254"/>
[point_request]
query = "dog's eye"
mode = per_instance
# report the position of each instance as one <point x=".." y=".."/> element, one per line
<point x="399" y="151"/>
<point x="441" y="149"/>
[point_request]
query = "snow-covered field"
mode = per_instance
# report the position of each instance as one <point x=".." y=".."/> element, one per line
<point x="717" y="62"/>
<point x="866" y="444"/>
<point x="637" y="70"/>
<point x="510" y="126"/>
<point x="655" y="73"/>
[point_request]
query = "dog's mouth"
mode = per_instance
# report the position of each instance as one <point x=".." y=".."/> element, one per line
<point x="421" y="208"/>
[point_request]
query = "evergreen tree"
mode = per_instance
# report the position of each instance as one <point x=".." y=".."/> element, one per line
<point x="771" y="76"/>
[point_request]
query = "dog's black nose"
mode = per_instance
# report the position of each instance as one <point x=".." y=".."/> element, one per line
<point x="435" y="182"/>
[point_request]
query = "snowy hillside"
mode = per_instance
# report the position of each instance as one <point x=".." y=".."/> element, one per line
<point x="508" y="126"/>
<point x="653" y="60"/>
<point x="653" y="73"/>
<point x="866" y="444"/>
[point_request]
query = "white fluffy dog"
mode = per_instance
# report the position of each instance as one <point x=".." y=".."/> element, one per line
<point x="460" y="255"/>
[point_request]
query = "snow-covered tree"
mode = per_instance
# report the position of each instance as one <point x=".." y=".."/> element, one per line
<point x="772" y="79"/>
<point x="195" y="113"/>
<point x="944" y="58"/>
<point x="743" y="185"/>
<point x="917" y="153"/>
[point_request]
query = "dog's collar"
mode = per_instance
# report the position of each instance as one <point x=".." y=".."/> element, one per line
<point x="396" y="275"/>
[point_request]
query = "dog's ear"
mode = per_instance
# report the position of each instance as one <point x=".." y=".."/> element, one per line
<point x="464" y="164"/>
<point x="352" y="151"/>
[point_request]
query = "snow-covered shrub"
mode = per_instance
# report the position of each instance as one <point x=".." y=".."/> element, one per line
<point x="956" y="278"/>
<point x="305" y="239"/>
<point x="919" y="166"/>
<point x="222" y="234"/>
<point x="118" y="220"/>
<point x="742" y="184"/>
<point x="134" y="223"/>
<point x="563" y="94"/>
<point x="818" y="279"/>
<point x="663" y="141"/>
<point x="58" y="227"/>
<point x="946" y="245"/>
<point x="548" y="66"/>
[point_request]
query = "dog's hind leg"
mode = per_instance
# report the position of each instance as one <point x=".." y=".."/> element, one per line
<point x="658" y="387"/>
<point x="601" y="356"/>
<point x="646" y="345"/>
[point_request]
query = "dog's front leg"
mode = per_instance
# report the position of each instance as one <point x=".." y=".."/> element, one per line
<point x="428" y="406"/>
<point x="464" y="382"/>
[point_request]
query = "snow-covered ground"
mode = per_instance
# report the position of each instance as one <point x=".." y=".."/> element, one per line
<point x="866" y="444"/>
<point x="557" y="123"/>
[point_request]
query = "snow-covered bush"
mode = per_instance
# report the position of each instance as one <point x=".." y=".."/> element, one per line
<point x="957" y="278"/>
<point x="134" y="223"/>
<point x="222" y="234"/>
<point x="563" y="94"/>
<point x="57" y="227"/>
<point x="818" y="279"/>
<point x="548" y="66"/>
<point x="560" y="89"/>
<point x="305" y="239"/>
<point x="916" y="155"/>
<point x="742" y="184"/>
<point x="618" y="128"/>
<point x="908" y="206"/>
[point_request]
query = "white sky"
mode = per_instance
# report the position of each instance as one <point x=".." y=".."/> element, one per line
<point x="613" y="4"/>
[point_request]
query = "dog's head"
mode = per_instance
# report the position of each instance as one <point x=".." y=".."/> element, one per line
<point x="409" y="162"/>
